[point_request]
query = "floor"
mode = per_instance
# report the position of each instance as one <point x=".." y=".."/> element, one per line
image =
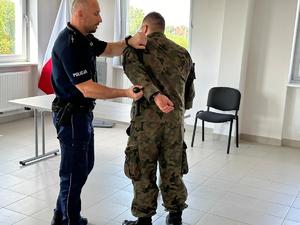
<point x="256" y="184"/>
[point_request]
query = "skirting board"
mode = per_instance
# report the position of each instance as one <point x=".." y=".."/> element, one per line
<point x="261" y="140"/>
<point x="271" y="141"/>
<point x="252" y="138"/>
<point x="291" y="143"/>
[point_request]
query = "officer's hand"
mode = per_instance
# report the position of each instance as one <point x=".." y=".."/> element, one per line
<point x="163" y="103"/>
<point x="138" y="41"/>
<point x="134" y="94"/>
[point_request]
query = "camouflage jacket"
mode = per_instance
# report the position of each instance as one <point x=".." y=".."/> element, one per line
<point x="163" y="66"/>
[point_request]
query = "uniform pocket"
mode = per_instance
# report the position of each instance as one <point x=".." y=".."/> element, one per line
<point x="128" y="130"/>
<point x="185" y="166"/>
<point x="132" y="163"/>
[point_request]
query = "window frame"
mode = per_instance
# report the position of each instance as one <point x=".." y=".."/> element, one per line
<point x="23" y="57"/>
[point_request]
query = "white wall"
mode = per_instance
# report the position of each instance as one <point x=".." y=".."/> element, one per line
<point x="207" y="20"/>
<point x="268" y="68"/>
<point x="234" y="51"/>
<point x="233" y="42"/>
<point x="291" y="129"/>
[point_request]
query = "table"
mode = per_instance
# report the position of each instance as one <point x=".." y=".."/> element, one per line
<point x="106" y="110"/>
<point x="113" y="111"/>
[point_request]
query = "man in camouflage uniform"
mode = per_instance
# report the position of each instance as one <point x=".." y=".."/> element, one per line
<point x="157" y="126"/>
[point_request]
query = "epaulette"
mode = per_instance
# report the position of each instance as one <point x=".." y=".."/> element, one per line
<point x="72" y="36"/>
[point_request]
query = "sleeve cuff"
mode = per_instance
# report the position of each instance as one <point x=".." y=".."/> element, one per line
<point x="149" y="91"/>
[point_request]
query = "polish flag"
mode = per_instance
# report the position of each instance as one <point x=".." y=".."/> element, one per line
<point x="63" y="16"/>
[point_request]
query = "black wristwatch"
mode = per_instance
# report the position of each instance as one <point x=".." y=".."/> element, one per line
<point x="127" y="39"/>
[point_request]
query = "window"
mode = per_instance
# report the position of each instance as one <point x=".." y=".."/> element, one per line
<point x="175" y="12"/>
<point x="12" y="30"/>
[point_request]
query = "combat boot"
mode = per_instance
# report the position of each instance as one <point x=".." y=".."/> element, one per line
<point x="57" y="219"/>
<point x="83" y="221"/>
<point x="139" y="221"/>
<point x="174" y="218"/>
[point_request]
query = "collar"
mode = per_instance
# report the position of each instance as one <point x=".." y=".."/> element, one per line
<point x="156" y="34"/>
<point x="75" y="31"/>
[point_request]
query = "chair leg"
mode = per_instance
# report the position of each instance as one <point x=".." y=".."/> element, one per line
<point x="229" y="137"/>
<point x="202" y="130"/>
<point x="237" y="132"/>
<point x="194" y="131"/>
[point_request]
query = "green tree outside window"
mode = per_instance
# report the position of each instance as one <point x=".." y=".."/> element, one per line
<point x="178" y="34"/>
<point x="7" y="27"/>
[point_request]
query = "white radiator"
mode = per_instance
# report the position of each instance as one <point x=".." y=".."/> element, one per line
<point x="14" y="85"/>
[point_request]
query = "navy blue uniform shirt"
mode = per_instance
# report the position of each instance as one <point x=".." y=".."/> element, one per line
<point x="73" y="62"/>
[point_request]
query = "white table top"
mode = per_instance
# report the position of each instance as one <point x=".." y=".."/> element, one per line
<point x="113" y="111"/>
<point x="42" y="102"/>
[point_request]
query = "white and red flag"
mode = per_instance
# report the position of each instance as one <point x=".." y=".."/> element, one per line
<point x="63" y="16"/>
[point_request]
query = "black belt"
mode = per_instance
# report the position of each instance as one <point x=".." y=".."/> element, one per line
<point x="59" y="104"/>
<point x="65" y="109"/>
<point x="72" y="108"/>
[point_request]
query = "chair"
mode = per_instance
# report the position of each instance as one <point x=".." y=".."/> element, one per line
<point x="224" y="99"/>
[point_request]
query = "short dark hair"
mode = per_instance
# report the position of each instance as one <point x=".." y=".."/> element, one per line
<point x="155" y="20"/>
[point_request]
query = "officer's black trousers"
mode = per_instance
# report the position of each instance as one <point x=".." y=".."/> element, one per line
<point x="76" y="139"/>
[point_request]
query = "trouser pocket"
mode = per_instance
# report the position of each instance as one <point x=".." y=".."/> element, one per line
<point x="185" y="166"/>
<point x="132" y="163"/>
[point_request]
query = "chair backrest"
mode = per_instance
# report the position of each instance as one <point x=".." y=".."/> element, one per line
<point x="224" y="98"/>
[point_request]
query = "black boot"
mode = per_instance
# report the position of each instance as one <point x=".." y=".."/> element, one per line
<point x="140" y="221"/>
<point x="83" y="221"/>
<point x="57" y="219"/>
<point x="174" y="218"/>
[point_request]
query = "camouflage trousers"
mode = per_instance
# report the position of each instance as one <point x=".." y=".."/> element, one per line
<point x="149" y="144"/>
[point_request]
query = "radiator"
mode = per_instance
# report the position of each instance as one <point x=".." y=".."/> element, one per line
<point x="14" y="85"/>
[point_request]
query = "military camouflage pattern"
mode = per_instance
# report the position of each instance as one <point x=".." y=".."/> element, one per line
<point x="156" y="138"/>
<point x="151" y="143"/>
<point x="170" y="65"/>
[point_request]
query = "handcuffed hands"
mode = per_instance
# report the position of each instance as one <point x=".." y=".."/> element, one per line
<point x="163" y="103"/>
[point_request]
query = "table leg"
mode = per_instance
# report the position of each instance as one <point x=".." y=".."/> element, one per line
<point x="36" y="132"/>
<point x="44" y="154"/>
<point x="43" y="132"/>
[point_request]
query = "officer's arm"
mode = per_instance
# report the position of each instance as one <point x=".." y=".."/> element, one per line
<point x="114" y="49"/>
<point x="137" y="74"/>
<point x="138" y="41"/>
<point x="91" y="89"/>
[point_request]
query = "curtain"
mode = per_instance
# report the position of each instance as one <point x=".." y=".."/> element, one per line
<point x="121" y="25"/>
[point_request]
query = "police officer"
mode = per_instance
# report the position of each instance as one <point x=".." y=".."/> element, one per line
<point x="73" y="80"/>
<point x="164" y="69"/>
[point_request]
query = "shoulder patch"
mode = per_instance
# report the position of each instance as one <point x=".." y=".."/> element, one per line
<point x="80" y="73"/>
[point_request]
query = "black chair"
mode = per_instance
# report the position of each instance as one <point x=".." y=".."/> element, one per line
<point x="224" y="99"/>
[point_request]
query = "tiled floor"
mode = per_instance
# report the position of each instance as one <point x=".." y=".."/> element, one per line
<point x="255" y="184"/>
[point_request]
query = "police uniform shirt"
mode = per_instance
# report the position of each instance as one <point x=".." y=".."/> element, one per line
<point x="74" y="62"/>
